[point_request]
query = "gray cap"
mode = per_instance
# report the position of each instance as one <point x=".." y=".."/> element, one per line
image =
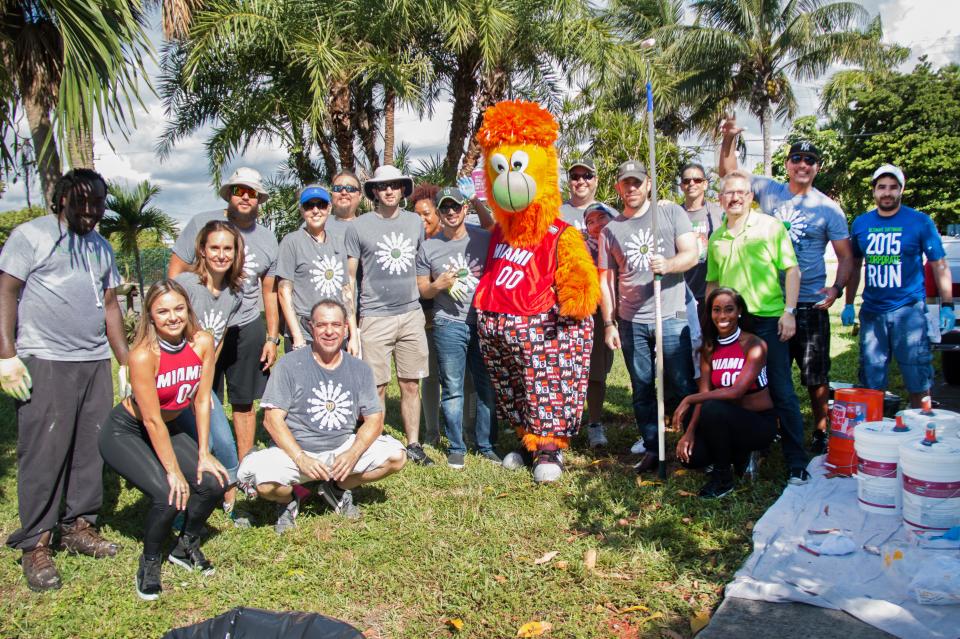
<point x="449" y="193"/>
<point x="586" y="162"/>
<point x="632" y="168"/>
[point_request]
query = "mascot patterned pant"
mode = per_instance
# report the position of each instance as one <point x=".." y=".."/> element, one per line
<point x="539" y="366"/>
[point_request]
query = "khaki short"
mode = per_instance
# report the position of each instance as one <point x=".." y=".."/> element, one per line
<point x="401" y="336"/>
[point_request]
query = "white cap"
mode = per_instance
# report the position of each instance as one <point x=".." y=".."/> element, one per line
<point x="889" y="169"/>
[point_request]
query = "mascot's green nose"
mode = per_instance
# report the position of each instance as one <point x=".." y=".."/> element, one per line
<point x="514" y="190"/>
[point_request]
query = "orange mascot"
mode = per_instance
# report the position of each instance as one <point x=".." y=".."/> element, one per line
<point x="539" y="290"/>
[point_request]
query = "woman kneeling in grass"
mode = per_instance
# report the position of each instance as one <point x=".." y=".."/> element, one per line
<point x="733" y="413"/>
<point x="171" y="371"/>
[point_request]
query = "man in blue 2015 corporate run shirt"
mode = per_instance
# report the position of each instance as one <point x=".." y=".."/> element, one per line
<point x="892" y="239"/>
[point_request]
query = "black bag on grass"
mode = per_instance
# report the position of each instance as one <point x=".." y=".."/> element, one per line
<point x="253" y="623"/>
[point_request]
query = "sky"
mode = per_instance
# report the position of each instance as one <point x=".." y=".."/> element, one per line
<point x="930" y="27"/>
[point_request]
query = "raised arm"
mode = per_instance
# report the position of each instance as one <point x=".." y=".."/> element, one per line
<point x="728" y="149"/>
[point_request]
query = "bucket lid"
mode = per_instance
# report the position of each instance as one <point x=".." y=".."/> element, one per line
<point x="938" y="415"/>
<point x="942" y="451"/>
<point x="884" y="430"/>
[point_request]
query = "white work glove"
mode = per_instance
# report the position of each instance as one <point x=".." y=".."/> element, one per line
<point x="15" y="378"/>
<point x="465" y="184"/>
<point x="124" y="389"/>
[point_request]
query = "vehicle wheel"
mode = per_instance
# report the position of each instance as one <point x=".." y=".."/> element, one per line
<point x="951" y="368"/>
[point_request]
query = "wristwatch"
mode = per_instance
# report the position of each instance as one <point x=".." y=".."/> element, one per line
<point x="609" y="323"/>
<point x="274" y="340"/>
<point x="790" y="309"/>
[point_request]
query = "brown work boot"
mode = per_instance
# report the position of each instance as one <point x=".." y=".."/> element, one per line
<point x="81" y="537"/>
<point x="38" y="566"/>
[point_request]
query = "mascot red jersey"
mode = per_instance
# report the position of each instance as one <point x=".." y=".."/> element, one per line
<point x="539" y="290"/>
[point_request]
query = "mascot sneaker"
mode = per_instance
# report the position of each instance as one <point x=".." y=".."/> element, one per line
<point x="548" y="466"/>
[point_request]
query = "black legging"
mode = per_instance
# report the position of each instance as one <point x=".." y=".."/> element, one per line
<point x="125" y="447"/>
<point x="727" y="433"/>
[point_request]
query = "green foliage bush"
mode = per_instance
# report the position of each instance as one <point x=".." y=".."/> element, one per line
<point x="12" y="219"/>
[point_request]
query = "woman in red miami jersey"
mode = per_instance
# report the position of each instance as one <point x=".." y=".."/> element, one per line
<point x="171" y="371"/>
<point x="732" y="414"/>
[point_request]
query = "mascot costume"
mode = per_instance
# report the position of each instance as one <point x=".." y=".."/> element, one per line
<point x="537" y="295"/>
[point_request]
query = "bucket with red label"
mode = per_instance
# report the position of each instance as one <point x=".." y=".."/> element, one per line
<point x="851" y="407"/>
<point x="930" y="469"/>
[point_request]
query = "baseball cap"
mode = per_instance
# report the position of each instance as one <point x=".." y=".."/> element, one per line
<point x="889" y="169"/>
<point x="449" y="193"/>
<point x="631" y="168"/>
<point x="598" y="207"/>
<point x="314" y="192"/>
<point x="805" y="147"/>
<point x="586" y="162"/>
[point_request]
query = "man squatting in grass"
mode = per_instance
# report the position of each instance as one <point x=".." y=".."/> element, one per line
<point x="812" y="220"/>
<point x="313" y="402"/>
<point x="249" y="347"/>
<point x="893" y="239"/>
<point x="57" y="300"/>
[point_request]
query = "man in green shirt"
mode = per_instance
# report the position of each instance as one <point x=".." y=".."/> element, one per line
<point x="747" y="253"/>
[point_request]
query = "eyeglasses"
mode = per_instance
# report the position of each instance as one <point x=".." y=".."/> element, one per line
<point x="309" y="205"/>
<point x="735" y="193"/>
<point x="383" y="186"/>
<point x="323" y="325"/>
<point x="586" y="177"/>
<point x="345" y="188"/>
<point x="809" y="160"/>
<point x="686" y="181"/>
<point x="239" y="190"/>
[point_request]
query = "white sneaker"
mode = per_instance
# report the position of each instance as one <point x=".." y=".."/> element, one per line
<point x="596" y="437"/>
<point x="548" y="466"/>
<point x="513" y="461"/>
<point x="638" y="447"/>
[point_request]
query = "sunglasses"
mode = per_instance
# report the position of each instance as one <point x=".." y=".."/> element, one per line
<point x="449" y="206"/>
<point x="396" y="186"/>
<point x="345" y="188"/>
<point x="309" y="205"/>
<point x="581" y="176"/>
<point x="686" y="181"/>
<point x="809" y="160"/>
<point x="239" y="190"/>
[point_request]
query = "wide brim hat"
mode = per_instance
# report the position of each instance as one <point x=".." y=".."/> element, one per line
<point x="387" y="173"/>
<point x="245" y="176"/>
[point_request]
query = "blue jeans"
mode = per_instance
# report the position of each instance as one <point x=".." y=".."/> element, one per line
<point x="638" y="342"/>
<point x="901" y="332"/>
<point x="780" y="378"/>
<point x="221" y="444"/>
<point x="457" y="350"/>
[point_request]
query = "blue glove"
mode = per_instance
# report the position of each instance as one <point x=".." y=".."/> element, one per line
<point x="465" y="184"/>
<point x="948" y="320"/>
<point x="848" y="315"/>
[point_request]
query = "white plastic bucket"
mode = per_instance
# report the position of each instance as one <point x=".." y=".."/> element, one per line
<point x="878" y="457"/>
<point x="931" y="484"/>
<point x="947" y="422"/>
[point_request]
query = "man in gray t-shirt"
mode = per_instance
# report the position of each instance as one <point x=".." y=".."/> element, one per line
<point x="812" y="219"/>
<point x="59" y="322"/>
<point x="583" y="182"/>
<point x="630" y="257"/>
<point x="250" y="344"/>
<point x="385" y="242"/>
<point x="314" y="400"/>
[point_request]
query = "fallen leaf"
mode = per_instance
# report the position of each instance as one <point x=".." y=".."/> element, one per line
<point x="561" y="565"/>
<point x="644" y="483"/>
<point x="623" y="522"/>
<point x="699" y="621"/>
<point x="687" y="520"/>
<point x="616" y="575"/>
<point x="590" y="559"/>
<point x="656" y="615"/>
<point x="634" y="609"/>
<point x="749" y="525"/>
<point x="499" y="579"/>
<point x="685" y="493"/>
<point x="534" y="628"/>
<point x="502" y="495"/>
<point x="546" y="557"/>
<point x="455" y="624"/>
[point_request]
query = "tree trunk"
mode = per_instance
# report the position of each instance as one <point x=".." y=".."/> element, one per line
<point x="326" y="152"/>
<point x="44" y="146"/>
<point x="341" y="122"/>
<point x="80" y="149"/>
<point x="766" y="124"/>
<point x="494" y="88"/>
<point x="465" y="89"/>
<point x="389" y="116"/>
<point x="138" y="266"/>
<point x="365" y="122"/>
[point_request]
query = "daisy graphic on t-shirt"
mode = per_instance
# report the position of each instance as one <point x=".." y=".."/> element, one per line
<point x="793" y="220"/>
<point x="640" y="248"/>
<point x="468" y="274"/>
<point x="395" y="254"/>
<point x="250" y="265"/>
<point x="328" y="275"/>
<point x="214" y="323"/>
<point x="330" y="406"/>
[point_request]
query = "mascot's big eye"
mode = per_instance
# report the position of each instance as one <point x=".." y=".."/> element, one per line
<point x="499" y="163"/>
<point x="519" y="160"/>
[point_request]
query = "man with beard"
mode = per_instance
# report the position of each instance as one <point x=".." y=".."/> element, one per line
<point x="249" y="346"/>
<point x="893" y="239"/>
<point x="58" y="312"/>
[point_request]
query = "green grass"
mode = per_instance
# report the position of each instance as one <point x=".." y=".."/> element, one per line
<point x="433" y="544"/>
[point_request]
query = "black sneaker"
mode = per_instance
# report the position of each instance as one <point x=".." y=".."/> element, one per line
<point x="818" y="443"/>
<point x="490" y="455"/>
<point x="416" y="454"/>
<point x="188" y="555"/>
<point x="340" y="499"/>
<point x="716" y="488"/>
<point x="649" y="462"/>
<point x="456" y="460"/>
<point x="148" y="578"/>
<point x="798" y="477"/>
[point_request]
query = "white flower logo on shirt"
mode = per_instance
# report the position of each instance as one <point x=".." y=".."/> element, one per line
<point x="250" y="264"/>
<point x="794" y="222"/>
<point x="395" y="254"/>
<point x="640" y="248"/>
<point x="468" y="274"/>
<point x="330" y="406"/>
<point x="328" y="275"/>
<point x="214" y="323"/>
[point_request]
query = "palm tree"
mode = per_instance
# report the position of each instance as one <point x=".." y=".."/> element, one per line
<point x="748" y="53"/>
<point x="131" y="214"/>
<point x="70" y="65"/>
